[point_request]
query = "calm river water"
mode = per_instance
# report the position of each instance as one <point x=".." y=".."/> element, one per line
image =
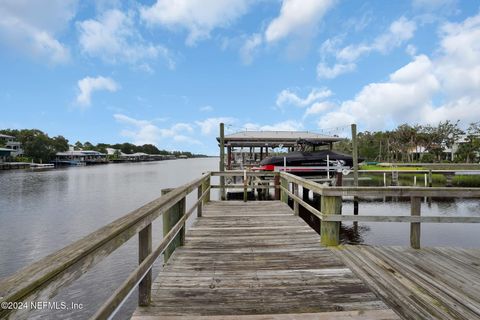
<point x="41" y="212"/>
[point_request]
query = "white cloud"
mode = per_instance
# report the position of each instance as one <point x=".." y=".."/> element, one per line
<point x="425" y="90"/>
<point x="288" y="97"/>
<point x="318" y="107"/>
<point x="211" y="125"/>
<point x="31" y="27"/>
<point x="88" y="85"/>
<point x="206" y="109"/>
<point x="297" y="17"/>
<point x="324" y="71"/>
<point x="113" y="38"/>
<point x="399" y="32"/>
<point x="145" y="132"/>
<point x="380" y="104"/>
<point x="249" y="48"/>
<point x="198" y="17"/>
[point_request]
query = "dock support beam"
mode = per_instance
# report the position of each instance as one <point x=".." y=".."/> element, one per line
<point x="144" y="249"/>
<point x="330" y="230"/>
<point x="415" y="210"/>
<point x="170" y="219"/>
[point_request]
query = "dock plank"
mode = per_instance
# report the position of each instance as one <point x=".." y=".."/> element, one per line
<point x="430" y="283"/>
<point x="256" y="260"/>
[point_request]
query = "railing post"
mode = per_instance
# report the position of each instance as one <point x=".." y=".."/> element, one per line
<point x="144" y="249"/>
<point x="295" y="202"/>
<point x="415" y="210"/>
<point x="245" y="181"/>
<point x="283" y="193"/>
<point x="170" y="218"/>
<point x="430" y="178"/>
<point x="200" y="204"/>
<point x="330" y="230"/>
<point x="277" y="186"/>
<point x="205" y="186"/>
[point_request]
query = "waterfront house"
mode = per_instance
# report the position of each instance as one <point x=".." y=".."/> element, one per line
<point x="9" y="142"/>
<point x="80" y="157"/>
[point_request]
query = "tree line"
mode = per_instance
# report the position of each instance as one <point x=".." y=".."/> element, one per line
<point x="419" y="143"/>
<point x="39" y="147"/>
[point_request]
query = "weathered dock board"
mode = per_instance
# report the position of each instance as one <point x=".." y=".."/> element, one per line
<point x="431" y="283"/>
<point x="257" y="258"/>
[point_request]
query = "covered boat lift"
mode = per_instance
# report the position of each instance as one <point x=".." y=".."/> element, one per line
<point x="260" y="143"/>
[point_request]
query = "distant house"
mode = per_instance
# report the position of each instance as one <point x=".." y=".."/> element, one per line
<point x="10" y="143"/>
<point x="5" y="153"/>
<point x="80" y="157"/>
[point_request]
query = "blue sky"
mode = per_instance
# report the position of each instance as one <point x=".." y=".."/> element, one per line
<point x="168" y="71"/>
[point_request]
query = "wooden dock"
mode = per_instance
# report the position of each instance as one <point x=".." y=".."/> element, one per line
<point x="257" y="258"/>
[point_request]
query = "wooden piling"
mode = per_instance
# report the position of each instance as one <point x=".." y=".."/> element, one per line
<point x="415" y="210"/>
<point x="170" y="218"/>
<point x="330" y="230"/>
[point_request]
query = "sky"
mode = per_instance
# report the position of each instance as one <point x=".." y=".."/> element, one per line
<point x="167" y="72"/>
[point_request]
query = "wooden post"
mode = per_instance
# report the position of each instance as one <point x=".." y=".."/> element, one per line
<point x="222" y="160"/>
<point x="430" y="178"/>
<point x="205" y="186"/>
<point x="415" y="226"/>
<point x="283" y="193"/>
<point x="295" y="202"/>
<point x="355" y="165"/>
<point x="170" y="218"/>
<point x="330" y="230"/>
<point x="144" y="249"/>
<point x="200" y="205"/>
<point x="245" y="195"/>
<point x="305" y="194"/>
<point x="277" y="185"/>
<point x="229" y="158"/>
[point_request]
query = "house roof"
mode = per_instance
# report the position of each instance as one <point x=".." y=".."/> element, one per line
<point x="275" y="138"/>
<point x="6" y="136"/>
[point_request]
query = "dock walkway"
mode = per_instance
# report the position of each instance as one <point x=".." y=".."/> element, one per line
<point x="257" y="260"/>
<point x="431" y="283"/>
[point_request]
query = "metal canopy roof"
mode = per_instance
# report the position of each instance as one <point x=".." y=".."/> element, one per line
<point x="275" y="138"/>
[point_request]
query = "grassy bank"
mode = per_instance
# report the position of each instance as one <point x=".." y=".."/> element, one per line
<point x="406" y="179"/>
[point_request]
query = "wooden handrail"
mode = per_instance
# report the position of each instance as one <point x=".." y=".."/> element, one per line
<point x="383" y="191"/>
<point x="330" y="222"/>
<point x="42" y="279"/>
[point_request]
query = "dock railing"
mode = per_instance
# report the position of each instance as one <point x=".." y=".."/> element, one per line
<point x="42" y="280"/>
<point x="330" y="209"/>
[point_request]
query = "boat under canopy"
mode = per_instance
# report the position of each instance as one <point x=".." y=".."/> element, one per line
<point x="299" y="162"/>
